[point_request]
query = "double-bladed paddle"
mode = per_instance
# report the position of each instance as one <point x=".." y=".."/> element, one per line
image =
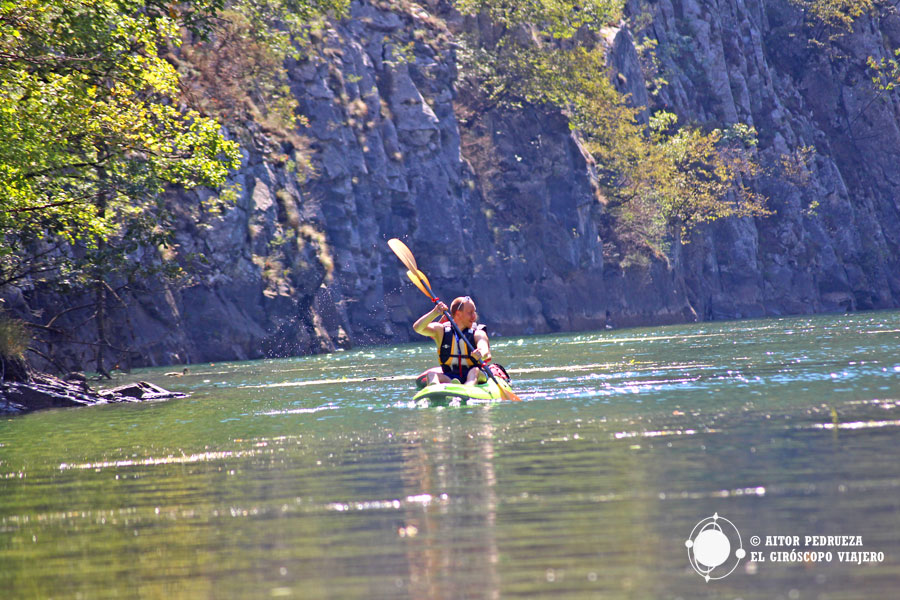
<point x="418" y="278"/>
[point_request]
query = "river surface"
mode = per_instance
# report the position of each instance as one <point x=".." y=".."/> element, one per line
<point x="316" y="477"/>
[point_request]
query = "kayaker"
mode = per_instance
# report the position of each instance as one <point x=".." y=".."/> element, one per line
<point x="453" y="353"/>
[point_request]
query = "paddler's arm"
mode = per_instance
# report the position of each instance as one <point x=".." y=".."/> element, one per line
<point x="482" y="346"/>
<point x="424" y="325"/>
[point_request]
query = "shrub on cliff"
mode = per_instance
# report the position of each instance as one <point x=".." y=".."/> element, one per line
<point x="237" y="73"/>
<point x="659" y="180"/>
<point x="92" y="131"/>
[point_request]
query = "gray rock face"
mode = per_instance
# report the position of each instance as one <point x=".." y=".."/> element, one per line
<point x="748" y="62"/>
<point x="503" y="205"/>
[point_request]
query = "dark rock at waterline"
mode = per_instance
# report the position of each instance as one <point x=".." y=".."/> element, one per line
<point x="140" y="390"/>
<point x="41" y="391"/>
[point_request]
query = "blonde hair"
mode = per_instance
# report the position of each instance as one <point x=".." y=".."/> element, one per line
<point x="458" y="302"/>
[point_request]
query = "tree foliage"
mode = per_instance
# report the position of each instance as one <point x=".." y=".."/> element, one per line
<point x="93" y="130"/>
<point x="839" y="14"/>
<point x="657" y="178"/>
<point x="558" y="19"/>
<point x="97" y="123"/>
<point x="95" y="120"/>
<point x="885" y="72"/>
<point x="828" y="21"/>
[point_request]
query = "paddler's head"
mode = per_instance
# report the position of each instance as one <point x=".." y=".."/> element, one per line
<point x="462" y="310"/>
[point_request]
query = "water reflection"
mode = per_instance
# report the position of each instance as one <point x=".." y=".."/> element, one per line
<point x="443" y="542"/>
<point x="310" y="478"/>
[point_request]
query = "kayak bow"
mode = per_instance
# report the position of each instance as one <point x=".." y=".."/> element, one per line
<point x="446" y="393"/>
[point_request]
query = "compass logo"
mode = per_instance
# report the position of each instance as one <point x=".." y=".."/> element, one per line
<point x="710" y="548"/>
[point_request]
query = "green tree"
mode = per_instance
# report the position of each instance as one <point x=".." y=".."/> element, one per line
<point x="97" y="121"/>
<point x="93" y="131"/>
<point x="838" y="14"/>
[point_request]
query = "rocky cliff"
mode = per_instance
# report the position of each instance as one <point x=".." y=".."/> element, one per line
<point x="503" y="205"/>
<point x="832" y="244"/>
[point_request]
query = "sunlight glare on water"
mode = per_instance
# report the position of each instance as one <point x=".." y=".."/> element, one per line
<point x="316" y="477"/>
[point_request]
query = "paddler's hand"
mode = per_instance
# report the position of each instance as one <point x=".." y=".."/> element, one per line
<point x="476" y="354"/>
<point x="440" y="307"/>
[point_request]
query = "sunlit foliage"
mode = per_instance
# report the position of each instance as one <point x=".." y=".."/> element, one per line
<point x="97" y="123"/>
<point x="885" y="72"/>
<point x="96" y="118"/>
<point x="93" y="130"/>
<point x="835" y="13"/>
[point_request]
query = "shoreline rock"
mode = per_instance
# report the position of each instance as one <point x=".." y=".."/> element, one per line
<point x="44" y="391"/>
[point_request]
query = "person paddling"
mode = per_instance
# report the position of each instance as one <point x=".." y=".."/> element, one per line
<point x="454" y="353"/>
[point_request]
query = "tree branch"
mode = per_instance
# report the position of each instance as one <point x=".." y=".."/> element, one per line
<point x="17" y="211"/>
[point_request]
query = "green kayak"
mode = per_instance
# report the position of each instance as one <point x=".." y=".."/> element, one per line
<point x="456" y="393"/>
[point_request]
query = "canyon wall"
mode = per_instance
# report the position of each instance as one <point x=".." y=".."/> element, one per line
<point x="503" y="204"/>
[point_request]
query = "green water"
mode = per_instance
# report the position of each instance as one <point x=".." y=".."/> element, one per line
<point x="301" y="478"/>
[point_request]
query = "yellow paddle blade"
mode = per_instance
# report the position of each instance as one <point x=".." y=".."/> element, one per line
<point x="418" y="282"/>
<point x="404" y="254"/>
<point x="426" y="282"/>
<point x="507" y="393"/>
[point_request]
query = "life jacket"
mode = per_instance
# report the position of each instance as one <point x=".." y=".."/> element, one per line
<point x="452" y="353"/>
